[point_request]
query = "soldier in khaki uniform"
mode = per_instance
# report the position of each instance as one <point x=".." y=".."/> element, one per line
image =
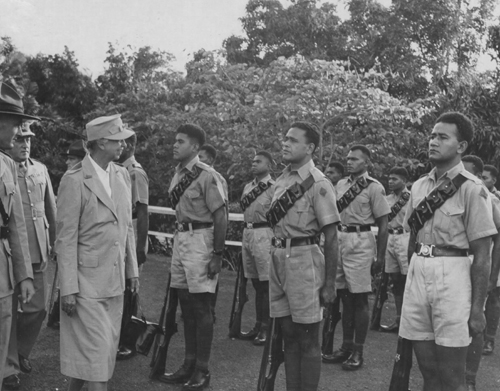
<point x="301" y="278"/>
<point x="492" y="313"/>
<point x="15" y="262"/>
<point x="396" y="257"/>
<point x="444" y="297"/>
<point x="335" y="172"/>
<point x="358" y="250"/>
<point x="39" y="207"/>
<point x="197" y="196"/>
<point x="256" y="243"/>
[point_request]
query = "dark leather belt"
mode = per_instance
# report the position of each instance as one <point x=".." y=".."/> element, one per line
<point x="281" y="243"/>
<point x="431" y="251"/>
<point x="181" y="227"/>
<point x="396" y="231"/>
<point x="354" y="228"/>
<point x="256" y="225"/>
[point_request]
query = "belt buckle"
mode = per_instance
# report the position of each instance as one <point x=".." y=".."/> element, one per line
<point x="180" y="227"/>
<point x="343" y="228"/>
<point x="250" y="225"/>
<point x="277" y="243"/>
<point x="427" y="250"/>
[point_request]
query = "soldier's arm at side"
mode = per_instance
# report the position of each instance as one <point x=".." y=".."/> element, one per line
<point x="382" y="237"/>
<point x="142" y="231"/>
<point x="131" y="266"/>
<point x="331" y="247"/>
<point x="495" y="262"/>
<point x="411" y="245"/>
<point x="480" y="273"/>
<point x="50" y="208"/>
<point x="220" y="227"/>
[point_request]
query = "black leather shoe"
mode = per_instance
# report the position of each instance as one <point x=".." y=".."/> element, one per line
<point x="249" y="335"/>
<point x="182" y="375"/>
<point x="260" y="339"/>
<point x="199" y="380"/>
<point x="392" y="328"/>
<point x="337" y="357"/>
<point x="25" y="364"/>
<point x="488" y="347"/>
<point x="124" y="353"/>
<point x="11" y="382"/>
<point x="354" y="362"/>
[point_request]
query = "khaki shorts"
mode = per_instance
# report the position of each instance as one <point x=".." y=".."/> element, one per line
<point x="357" y="253"/>
<point x="256" y="251"/>
<point x="437" y="301"/>
<point x="295" y="283"/>
<point x="396" y="256"/>
<point x="190" y="257"/>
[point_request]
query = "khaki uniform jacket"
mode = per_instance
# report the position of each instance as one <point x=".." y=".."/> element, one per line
<point x="40" y="202"/>
<point x="15" y="261"/>
<point x="95" y="243"/>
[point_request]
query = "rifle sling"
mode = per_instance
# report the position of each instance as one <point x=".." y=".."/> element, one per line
<point x="433" y="201"/>
<point x="285" y="202"/>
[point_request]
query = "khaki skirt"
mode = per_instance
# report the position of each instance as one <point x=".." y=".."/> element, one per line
<point x="89" y="338"/>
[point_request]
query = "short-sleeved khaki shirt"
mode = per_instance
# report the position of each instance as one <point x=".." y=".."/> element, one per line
<point x="399" y="219"/>
<point x="256" y="211"/>
<point x="464" y="217"/>
<point x="314" y="210"/>
<point x="495" y="204"/>
<point x="202" y="198"/>
<point x="369" y="205"/>
<point x="140" y="182"/>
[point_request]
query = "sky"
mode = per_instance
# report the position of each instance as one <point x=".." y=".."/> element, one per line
<point x="180" y="27"/>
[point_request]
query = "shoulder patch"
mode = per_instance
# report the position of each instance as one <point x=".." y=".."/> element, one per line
<point x="323" y="191"/>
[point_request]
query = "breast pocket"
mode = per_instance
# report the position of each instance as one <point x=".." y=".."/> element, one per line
<point x="448" y="219"/>
<point x="361" y="205"/>
<point x="9" y="191"/>
<point x="39" y="182"/>
<point x="195" y="197"/>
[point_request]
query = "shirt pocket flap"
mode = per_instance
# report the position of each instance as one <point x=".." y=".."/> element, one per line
<point x="88" y="261"/>
<point x="193" y="193"/>
<point x="450" y="209"/>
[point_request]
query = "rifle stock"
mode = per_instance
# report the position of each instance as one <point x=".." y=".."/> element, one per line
<point x="400" y="379"/>
<point x="240" y="297"/>
<point x="333" y="316"/>
<point x="168" y="327"/>
<point x="53" y="312"/>
<point x="380" y="299"/>
<point x="272" y="357"/>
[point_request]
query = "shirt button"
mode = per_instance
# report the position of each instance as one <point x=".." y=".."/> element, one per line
<point x="34" y="218"/>
<point x="81" y="263"/>
<point x="116" y="243"/>
<point x="114" y="222"/>
<point x="29" y="191"/>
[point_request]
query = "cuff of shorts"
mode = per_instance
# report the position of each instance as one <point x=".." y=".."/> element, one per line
<point x="480" y="235"/>
<point x="453" y="342"/>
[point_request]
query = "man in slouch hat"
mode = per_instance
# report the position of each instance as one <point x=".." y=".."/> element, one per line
<point x="95" y="250"/>
<point x="16" y="275"/>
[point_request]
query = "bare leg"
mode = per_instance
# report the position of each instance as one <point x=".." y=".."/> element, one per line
<point x="97" y="386"/>
<point x="75" y="384"/>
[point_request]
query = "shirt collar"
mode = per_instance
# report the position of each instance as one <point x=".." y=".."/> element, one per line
<point x="188" y="166"/>
<point x="302" y="171"/>
<point x="266" y="179"/>
<point x="131" y="160"/>
<point x="97" y="167"/>
<point x="451" y="173"/>
<point x="364" y="175"/>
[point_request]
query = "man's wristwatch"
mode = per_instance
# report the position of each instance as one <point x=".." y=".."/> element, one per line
<point x="218" y="252"/>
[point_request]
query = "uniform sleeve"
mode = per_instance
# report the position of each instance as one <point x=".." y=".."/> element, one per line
<point x="140" y="187"/>
<point x="478" y="218"/>
<point x="409" y="211"/>
<point x="50" y="208"/>
<point x="69" y="204"/>
<point x="325" y="203"/>
<point x="378" y="202"/>
<point x="214" y="193"/>
<point x="131" y="266"/>
<point x="18" y="237"/>
<point x="495" y="203"/>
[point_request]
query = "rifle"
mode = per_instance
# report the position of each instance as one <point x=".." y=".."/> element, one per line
<point x="400" y="378"/>
<point x="168" y="327"/>
<point x="53" y="312"/>
<point x="240" y="297"/>
<point x="333" y="316"/>
<point x="380" y="299"/>
<point x="272" y="357"/>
